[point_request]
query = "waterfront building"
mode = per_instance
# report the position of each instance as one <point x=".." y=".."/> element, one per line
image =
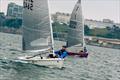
<point x="61" y="17"/>
<point x="14" y="10"/>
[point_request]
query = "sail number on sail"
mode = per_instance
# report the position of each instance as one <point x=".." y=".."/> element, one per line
<point x="28" y="4"/>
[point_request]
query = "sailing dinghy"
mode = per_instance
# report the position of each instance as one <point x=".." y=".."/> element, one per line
<point x="75" y="39"/>
<point x="37" y="34"/>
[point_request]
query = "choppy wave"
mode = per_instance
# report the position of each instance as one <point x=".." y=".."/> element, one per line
<point x="102" y="64"/>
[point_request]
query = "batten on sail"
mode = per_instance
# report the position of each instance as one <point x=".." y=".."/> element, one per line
<point x="76" y="28"/>
<point x="36" y="25"/>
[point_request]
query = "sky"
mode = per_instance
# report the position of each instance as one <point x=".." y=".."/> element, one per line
<point x="92" y="9"/>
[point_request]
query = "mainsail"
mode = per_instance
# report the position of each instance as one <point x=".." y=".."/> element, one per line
<point x="76" y="27"/>
<point x="37" y="29"/>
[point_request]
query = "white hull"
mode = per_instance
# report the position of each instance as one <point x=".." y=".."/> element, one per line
<point x="48" y="62"/>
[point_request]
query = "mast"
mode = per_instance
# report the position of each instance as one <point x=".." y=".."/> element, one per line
<point x="52" y="39"/>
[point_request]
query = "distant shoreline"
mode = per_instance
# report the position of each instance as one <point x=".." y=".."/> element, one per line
<point x="93" y="44"/>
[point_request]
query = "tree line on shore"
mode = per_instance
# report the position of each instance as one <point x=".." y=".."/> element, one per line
<point x="11" y="23"/>
<point x="108" y="32"/>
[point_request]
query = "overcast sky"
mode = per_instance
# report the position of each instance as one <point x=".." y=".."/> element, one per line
<point x="92" y="9"/>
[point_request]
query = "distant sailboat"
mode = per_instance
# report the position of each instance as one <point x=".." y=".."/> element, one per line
<point x="37" y="34"/>
<point x="75" y="39"/>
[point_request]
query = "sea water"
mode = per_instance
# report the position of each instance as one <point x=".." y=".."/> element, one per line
<point x="102" y="64"/>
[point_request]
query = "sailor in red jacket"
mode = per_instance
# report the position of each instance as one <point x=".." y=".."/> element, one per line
<point x="81" y="53"/>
